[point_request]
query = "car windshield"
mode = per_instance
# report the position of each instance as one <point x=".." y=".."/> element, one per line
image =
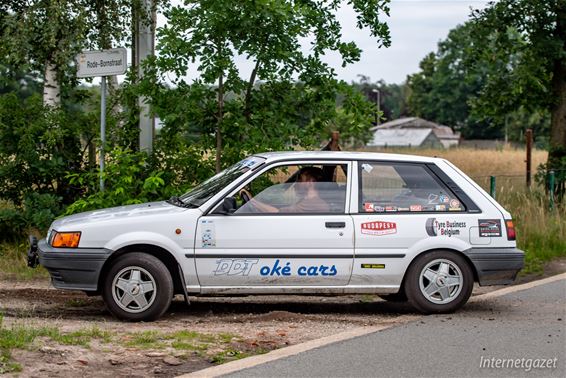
<point x="206" y="190"/>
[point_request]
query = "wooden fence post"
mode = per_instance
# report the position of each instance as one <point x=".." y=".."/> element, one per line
<point x="529" y="142"/>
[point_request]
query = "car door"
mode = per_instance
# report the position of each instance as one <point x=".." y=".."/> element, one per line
<point x="402" y="208"/>
<point x="295" y="246"/>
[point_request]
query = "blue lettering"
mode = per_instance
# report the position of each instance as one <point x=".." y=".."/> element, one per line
<point x="312" y="271"/>
<point x="264" y="271"/>
<point x="302" y="271"/>
<point x="276" y="270"/>
<point x="333" y="270"/>
<point x="323" y="269"/>
<point x="286" y="271"/>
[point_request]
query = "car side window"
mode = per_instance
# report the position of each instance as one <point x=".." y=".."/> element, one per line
<point x="295" y="189"/>
<point x="403" y="187"/>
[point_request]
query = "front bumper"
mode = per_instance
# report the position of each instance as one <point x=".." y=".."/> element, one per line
<point x="71" y="268"/>
<point x="496" y="266"/>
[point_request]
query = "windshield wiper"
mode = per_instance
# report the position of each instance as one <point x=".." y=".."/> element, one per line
<point x="177" y="202"/>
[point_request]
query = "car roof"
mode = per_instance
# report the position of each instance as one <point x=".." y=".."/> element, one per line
<point x="347" y="155"/>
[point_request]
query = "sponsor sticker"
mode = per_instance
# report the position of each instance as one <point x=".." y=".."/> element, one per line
<point x="448" y="228"/>
<point x="455" y="203"/>
<point x="208" y="234"/>
<point x="379" y="209"/>
<point x="234" y="267"/>
<point x="373" y="266"/>
<point x="368" y="207"/>
<point x="367" y="167"/>
<point x="489" y="227"/>
<point x="444" y="198"/>
<point x="416" y="208"/>
<point x="379" y="228"/>
<point x="390" y="209"/>
<point x="279" y="269"/>
<point x="440" y="207"/>
<point x="403" y="209"/>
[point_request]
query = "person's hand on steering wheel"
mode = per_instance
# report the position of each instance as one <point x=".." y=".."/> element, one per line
<point x="245" y="195"/>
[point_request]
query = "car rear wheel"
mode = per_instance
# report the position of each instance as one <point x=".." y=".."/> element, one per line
<point x="138" y="287"/>
<point x="439" y="282"/>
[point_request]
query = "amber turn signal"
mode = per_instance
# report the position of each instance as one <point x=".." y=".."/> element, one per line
<point x="66" y="239"/>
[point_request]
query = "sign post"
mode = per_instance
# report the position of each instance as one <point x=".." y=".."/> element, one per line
<point x="102" y="63"/>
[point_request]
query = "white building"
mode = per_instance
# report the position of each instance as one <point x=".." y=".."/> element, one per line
<point x="414" y="132"/>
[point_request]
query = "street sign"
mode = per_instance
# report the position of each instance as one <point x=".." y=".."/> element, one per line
<point x="102" y="62"/>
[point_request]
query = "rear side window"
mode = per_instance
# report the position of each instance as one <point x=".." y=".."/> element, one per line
<point x="403" y="187"/>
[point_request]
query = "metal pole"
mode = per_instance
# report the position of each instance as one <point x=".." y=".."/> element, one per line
<point x="145" y="47"/>
<point x="492" y="186"/>
<point x="102" y="129"/>
<point x="529" y="142"/>
<point x="378" y="107"/>
<point x="551" y="182"/>
<point x="377" y="103"/>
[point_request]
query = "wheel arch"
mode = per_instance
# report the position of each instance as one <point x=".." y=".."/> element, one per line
<point x="162" y="254"/>
<point x="424" y="252"/>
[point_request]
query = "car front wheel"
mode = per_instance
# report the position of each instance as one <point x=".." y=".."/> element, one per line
<point x="439" y="282"/>
<point x="138" y="287"/>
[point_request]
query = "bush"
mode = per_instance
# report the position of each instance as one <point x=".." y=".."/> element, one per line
<point x="124" y="182"/>
<point x="12" y="223"/>
<point x="39" y="210"/>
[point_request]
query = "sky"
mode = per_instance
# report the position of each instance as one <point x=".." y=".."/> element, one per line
<point x="416" y="26"/>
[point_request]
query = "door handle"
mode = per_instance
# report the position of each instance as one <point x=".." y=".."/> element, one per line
<point x="335" y="224"/>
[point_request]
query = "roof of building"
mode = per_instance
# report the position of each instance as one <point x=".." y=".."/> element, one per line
<point x="401" y="137"/>
<point x="441" y="131"/>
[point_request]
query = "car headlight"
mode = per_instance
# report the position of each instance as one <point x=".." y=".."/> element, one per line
<point x="65" y="239"/>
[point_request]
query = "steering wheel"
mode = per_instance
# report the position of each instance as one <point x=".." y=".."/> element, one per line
<point x="245" y="196"/>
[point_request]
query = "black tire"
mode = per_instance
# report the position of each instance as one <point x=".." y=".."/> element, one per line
<point x="396" y="298"/>
<point x="448" y="298"/>
<point x="152" y="273"/>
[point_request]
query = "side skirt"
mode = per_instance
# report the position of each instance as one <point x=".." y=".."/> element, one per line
<point x="302" y="290"/>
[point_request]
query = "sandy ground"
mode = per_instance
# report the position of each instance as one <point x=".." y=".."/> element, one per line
<point x="261" y="323"/>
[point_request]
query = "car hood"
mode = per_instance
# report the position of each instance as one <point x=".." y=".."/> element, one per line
<point x="150" y="209"/>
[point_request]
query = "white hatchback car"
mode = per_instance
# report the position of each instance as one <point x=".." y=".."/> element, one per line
<point x="404" y="227"/>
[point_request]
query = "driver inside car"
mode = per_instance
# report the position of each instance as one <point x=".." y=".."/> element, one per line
<point x="309" y="200"/>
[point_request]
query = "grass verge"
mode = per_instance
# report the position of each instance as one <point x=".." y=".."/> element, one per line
<point x="13" y="263"/>
<point x="215" y="348"/>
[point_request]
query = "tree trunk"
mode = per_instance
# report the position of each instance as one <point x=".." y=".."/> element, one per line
<point x="219" y="124"/>
<point x="51" y="86"/>
<point x="248" y="98"/>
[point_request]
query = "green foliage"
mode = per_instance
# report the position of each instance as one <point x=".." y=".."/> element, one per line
<point x="12" y="224"/>
<point x="126" y="179"/>
<point x="37" y="147"/>
<point x="392" y="99"/>
<point x="443" y="88"/>
<point x="522" y="50"/>
<point x="270" y="110"/>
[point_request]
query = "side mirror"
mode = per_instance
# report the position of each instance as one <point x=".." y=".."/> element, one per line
<point x="228" y="206"/>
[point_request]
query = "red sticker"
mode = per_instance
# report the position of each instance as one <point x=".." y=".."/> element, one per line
<point x="379" y="228"/>
<point x="416" y="208"/>
<point x="368" y="207"/>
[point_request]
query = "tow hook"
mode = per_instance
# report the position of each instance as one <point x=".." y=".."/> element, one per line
<point x="33" y="258"/>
